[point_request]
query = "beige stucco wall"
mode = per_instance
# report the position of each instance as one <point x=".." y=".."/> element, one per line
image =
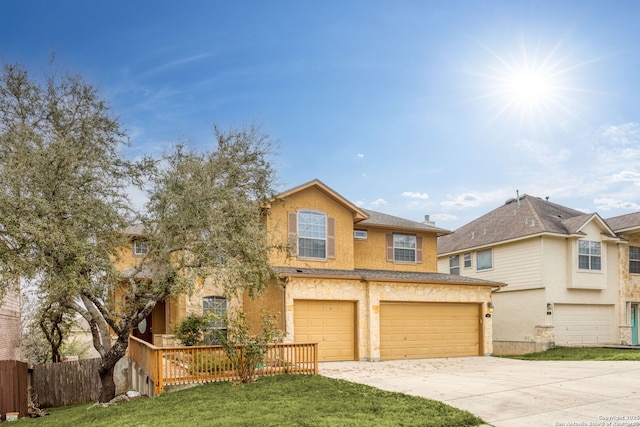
<point x="371" y="253"/>
<point x="315" y="200"/>
<point x="368" y="296"/>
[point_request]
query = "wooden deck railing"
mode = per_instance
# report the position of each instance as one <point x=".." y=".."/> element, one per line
<point x="201" y="364"/>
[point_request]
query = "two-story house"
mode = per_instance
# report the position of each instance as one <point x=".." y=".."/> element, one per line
<point x="561" y="267"/>
<point x="628" y="227"/>
<point x="364" y="284"/>
<point x="360" y="283"/>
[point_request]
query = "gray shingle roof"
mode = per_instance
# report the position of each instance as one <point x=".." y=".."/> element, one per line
<point x="513" y="220"/>
<point x="624" y="222"/>
<point x="383" y="220"/>
<point x="402" y="276"/>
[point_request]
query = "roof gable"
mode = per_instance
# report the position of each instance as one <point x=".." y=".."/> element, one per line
<point x="516" y="219"/>
<point x="358" y="214"/>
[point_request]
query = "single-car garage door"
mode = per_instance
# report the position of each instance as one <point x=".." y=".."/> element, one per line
<point x="329" y="323"/>
<point x="423" y="330"/>
<point x="583" y="324"/>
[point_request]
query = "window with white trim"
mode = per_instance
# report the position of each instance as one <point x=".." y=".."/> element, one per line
<point x="312" y="234"/>
<point x="634" y="259"/>
<point x="454" y="264"/>
<point x="216" y="308"/>
<point x="484" y="260"/>
<point x="589" y="255"/>
<point x="467" y="260"/>
<point x="404" y="247"/>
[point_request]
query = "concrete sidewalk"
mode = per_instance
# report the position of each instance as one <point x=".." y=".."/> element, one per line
<point x="506" y="392"/>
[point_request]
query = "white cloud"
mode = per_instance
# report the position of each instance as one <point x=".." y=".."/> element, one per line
<point x="626" y="176"/>
<point x="462" y="201"/>
<point x="443" y="217"/>
<point x="606" y="204"/>
<point x="414" y="195"/>
<point x="360" y="155"/>
<point x="542" y="153"/>
<point x="623" y="134"/>
<point x="379" y="202"/>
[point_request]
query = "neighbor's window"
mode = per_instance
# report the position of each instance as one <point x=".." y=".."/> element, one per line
<point x="140" y="247"/>
<point x="217" y="308"/>
<point x="589" y="255"/>
<point x="467" y="260"/>
<point x="454" y="264"/>
<point x="404" y="247"/>
<point x="634" y="259"/>
<point x="484" y="260"/>
<point x="312" y="234"/>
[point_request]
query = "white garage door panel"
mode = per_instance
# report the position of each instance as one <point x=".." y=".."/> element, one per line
<point x="584" y="324"/>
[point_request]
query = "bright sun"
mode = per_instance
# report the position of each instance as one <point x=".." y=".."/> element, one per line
<point x="529" y="86"/>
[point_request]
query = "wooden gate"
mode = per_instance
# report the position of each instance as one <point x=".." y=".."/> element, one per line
<point x="13" y="388"/>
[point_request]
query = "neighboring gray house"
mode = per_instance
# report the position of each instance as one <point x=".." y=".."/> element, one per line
<point x="562" y="270"/>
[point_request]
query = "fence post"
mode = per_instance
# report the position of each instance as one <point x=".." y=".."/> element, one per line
<point x="159" y="383"/>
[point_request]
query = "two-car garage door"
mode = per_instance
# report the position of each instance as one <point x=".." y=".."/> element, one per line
<point x="407" y="330"/>
<point x="423" y="330"/>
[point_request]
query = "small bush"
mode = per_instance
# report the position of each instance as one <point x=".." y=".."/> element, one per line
<point x="191" y="330"/>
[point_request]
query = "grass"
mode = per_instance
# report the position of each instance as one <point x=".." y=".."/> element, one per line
<point x="283" y="400"/>
<point x="581" y="353"/>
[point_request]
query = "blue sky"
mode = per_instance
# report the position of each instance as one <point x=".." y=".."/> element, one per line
<point x="405" y="107"/>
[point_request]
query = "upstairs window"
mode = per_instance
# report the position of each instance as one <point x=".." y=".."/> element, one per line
<point x="634" y="259"/>
<point x="454" y="264"/>
<point x="467" y="260"/>
<point x="484" y="260"/>
<point x="312" y="234"/>
<point x="404" y="248"/>
<point x="140" y="247"/>
<point x="589" y="255"/>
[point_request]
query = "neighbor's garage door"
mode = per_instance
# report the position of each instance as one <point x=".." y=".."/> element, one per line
<point x="422" y="330"/>
<point x="583" y="324"/>
<point x="329" y="323"/>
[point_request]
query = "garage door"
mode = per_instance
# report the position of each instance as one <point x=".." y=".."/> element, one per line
<point x="329" y="323"/>
<point x="583" y="324"/>
<point x="422" y="330"/>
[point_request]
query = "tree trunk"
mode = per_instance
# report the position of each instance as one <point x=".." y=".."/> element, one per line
<point x="107" y="383"/>
<point x="107" y="367"/>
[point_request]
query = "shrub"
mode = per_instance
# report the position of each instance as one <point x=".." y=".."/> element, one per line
<point x="190" y="331"/>
<point x="245" y="350"/>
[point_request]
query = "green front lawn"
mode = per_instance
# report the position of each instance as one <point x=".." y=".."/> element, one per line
<point x="582" y="353"/>
<point x="284" y="400"/>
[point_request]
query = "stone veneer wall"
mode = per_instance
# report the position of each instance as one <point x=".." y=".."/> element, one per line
<point x="10" y="326"/>
<point x="368" y="296"/>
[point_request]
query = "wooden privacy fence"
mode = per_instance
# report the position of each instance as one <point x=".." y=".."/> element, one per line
<point x="65" y="383"/>
<point x="154" y="368"/>
<point x="13" y="388"/>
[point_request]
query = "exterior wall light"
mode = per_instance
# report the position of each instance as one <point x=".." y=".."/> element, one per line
<point x="490" y="307"/>
<point x="549" y="308"/>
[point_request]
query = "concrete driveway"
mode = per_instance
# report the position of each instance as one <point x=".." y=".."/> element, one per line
<point x="505" y="392"/>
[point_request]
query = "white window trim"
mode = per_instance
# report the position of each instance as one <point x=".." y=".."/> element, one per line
<point x="601" y="257"/>
<point x="325" y="239"/>
<point x="453" y="267"/>
<point x="136" y="252"/>
<point x="478" y="269"/>
<point x="415" y="249"/>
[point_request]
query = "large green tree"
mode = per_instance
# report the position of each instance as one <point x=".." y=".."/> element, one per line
<point x="64" y="209"/>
